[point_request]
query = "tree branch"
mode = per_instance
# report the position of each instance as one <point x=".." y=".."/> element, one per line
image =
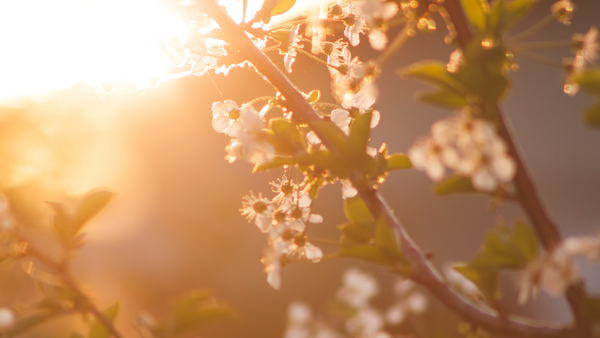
<point x="425" y="273"/>
<point x="527" y="195"/>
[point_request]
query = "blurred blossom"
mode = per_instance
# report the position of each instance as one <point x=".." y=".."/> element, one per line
<point x="563" y="11"/>
<point x="7" y="318"/>
<point x="365" y="323"/>
<point x="408" y="300"/>
<point x="587" y="46"/>
<point x="357" y="289"/>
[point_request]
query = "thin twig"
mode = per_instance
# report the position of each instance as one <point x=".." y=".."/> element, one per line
<point x="393" y="47"/>
<point x="425" y="273"/>
<point x="66" y="277"/>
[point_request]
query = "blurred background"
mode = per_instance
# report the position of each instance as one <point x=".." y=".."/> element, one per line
<point x="175" y="223"/>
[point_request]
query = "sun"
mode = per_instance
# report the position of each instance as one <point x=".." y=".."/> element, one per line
<point x="51" y="45"/>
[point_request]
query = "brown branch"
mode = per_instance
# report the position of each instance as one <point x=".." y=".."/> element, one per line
<point x="425" y="273"/>
<point x="527" y="194"/>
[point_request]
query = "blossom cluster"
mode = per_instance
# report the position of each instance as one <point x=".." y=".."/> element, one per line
<point x="468" y="145"/>
<point x="360" y="318"/>
<point x="285" y="219"/>
<point x="556" y="271"/>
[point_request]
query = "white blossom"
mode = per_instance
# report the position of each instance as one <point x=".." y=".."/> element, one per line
<point x="348" y="190"/>
<point x="367" y="322"/>
<point x="272" y="260"/>
<point x="376" y="13"/>
<point x="293" y="43"/>
<point x="259" y="210"/>
<point x="588" y="246"/>
<point x="554" y="273"/>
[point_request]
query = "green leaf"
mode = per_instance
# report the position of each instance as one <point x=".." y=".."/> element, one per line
<point x="589" y="80"/>
<point x="357" y="211"/>
<point x="98" y="330"/>
<point x="314" y="96"/>
<point x="282" y="6"/>
<point x="277" y="162"/>
<point x="326" y="160"/>
<point x="398" y="161"/>
<point x="386" y="237"/>
<point x="591" y="115"/>
<point x="368" y="253"/>
<point x="454" y="185"/>
<point x="93" y="202"/>
<point x="327" y="130"/>
<point x="357" y="232"/>
<point x="486" y="279"/>
<point x="61" y="222"/>
<point x="288" y="132"/>
<point x="526" y="241"/>
<point x="433" y="72"/>
<point x="446" y="98"/>
<point x="515" y="10"/>
<point x="360" y="131"/>
<point x="476" y="12"/>
<point x="495" y="19"/>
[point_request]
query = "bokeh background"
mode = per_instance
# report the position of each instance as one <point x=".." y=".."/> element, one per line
<point x="175" y="223"/>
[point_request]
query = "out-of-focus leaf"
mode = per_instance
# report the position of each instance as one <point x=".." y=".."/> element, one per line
<point x="386" y="237"/>
<point x="398" y="161"/>
<point x="277" y="162"/>
<point x="526" y="240"/>
<point x="515" y="10"/>
<point x="358" y="232"/>
<point x="589" y="80"/>
<point x="433" y="72"/>
<point x="282" y="6"/>
<point x="446" y="98"/>
<point x="454" y="185"/>
<point x="499" y="251"/>
<point x="357" y="212"/>
<point x="314" y="96"/>
<point x="98" y="330"/>
<point x="486" y="279"/>
<point x="591" y="115"/>
<point x="360" y="131"/>
<point x="495" y="19"/>
<point x="288" y="132"/>
<point x="368" y="253"/>
<point x="61" y="222"/>
<point x="190" y="312"/>
<point x="476" y="13"/>
<point x="93" y="202"/>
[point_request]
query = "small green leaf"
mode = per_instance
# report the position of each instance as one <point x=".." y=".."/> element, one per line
<point x="357" y="232"/>
<point x="526" y="240"/>
<point x="98" y="330"/>
<point x="360" y="131"/>
<point x="398" y="161"/>
<point x="454" y="185"/>
<point x="61" y="222"/>
<point x="327" y="160"/>
<point x="93" y="202"/>
<point x="486" y="279"/>
<point x="287" y="131"/>
<point x="476" y="12"/>
<point x="357" y="212"/>
<point x="515" y="10"/>
<point x="327" y="130"/>
<point x="589" y="80"/>
<point x="282" y="6"/>
<point x="591" y="115"/>
<point x="446" y="98"/>
<point x="314" y="96"/>
<point x="386" y="237"/>
<point x="433" y="72"/>
<point x="368" y="253"/>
